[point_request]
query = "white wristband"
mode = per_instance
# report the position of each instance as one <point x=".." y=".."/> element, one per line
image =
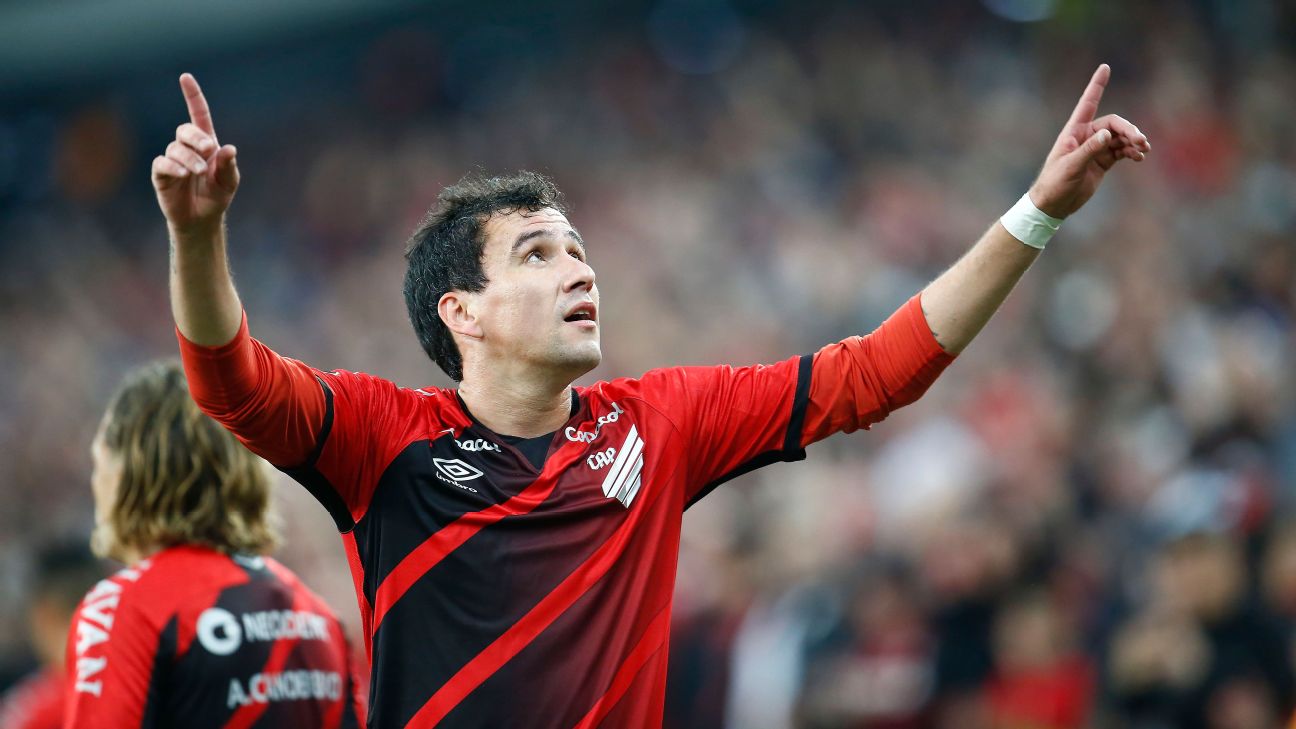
<point x="1029" y="224"/>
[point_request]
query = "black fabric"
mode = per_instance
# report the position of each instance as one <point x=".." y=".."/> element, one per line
<point x="800" y="402"/>
<point x="482" y="587"/>
<point x="326" y="427"/>
<point x="535" y="449"/>
<point x="307" y="475"/>
<point x="325" y="493"/>
<point x="154" y="713"/>
<point x="349" y="719"/>
<point x="792" y="450"/>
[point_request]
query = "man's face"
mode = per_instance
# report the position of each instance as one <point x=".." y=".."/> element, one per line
<point x="540" y="307"/>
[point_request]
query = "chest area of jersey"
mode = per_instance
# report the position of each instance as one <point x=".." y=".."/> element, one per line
<point x="605" y="462"/>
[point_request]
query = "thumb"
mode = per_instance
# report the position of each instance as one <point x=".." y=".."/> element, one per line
<point x="226" y="164"/>
<point x="1094" y="145"/>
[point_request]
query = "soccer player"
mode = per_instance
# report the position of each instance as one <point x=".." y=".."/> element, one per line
<point x="63" y="573"/>
<point x="514" y="541"/>
<point x="200" y="630"/>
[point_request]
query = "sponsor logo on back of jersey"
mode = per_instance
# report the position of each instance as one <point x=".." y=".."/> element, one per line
<point x="222" y="633"/>
<point x="263" y="688"/>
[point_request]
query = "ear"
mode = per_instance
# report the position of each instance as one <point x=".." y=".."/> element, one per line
<point x="456" y="311"/>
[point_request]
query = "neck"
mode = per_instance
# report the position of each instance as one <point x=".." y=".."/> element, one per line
<point x="515" y="405"/>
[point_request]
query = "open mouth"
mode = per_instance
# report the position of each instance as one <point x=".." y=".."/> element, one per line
<point x="582" y="312"/>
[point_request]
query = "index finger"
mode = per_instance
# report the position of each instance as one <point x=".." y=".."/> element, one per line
<point x="199" y="114"/>
<point x="1087" y="108"/>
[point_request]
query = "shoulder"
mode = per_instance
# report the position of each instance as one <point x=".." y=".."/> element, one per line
<point x="299" y="588"/>
<point x="343" y="387"/>
<point x="650" y="385"/>
<point x="156" y="588"/>
<point x="670" y="386"/>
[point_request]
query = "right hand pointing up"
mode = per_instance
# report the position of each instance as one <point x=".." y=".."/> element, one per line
<point x="196" y="179"/>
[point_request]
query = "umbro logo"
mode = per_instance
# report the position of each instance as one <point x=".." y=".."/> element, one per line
<point x="454" y="471"/>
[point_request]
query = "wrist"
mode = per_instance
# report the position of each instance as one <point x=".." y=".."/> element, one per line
<point x="1051" y="208"/>
<point x="198" y="237"/>
<point x="1029" y="224"/>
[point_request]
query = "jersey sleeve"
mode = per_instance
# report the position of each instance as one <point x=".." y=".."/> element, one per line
<point x="736" y="419"/>
<point x="732" y="420"/>
<point x="333" y="432"/>
<point x="861" y="380"/>
<point x="114" y="655"/>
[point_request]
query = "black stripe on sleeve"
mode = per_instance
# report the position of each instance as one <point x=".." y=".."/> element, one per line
<point x="327" y="425"/>
<point x="800" y="401"/>
<point x="792" y="450"/>
<point x="307" y="475"/>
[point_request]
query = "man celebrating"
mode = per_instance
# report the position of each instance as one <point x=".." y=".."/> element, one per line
<point x="514" y="541"/>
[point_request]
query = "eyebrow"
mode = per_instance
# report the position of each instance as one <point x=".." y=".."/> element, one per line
<point x="539" y="232"/>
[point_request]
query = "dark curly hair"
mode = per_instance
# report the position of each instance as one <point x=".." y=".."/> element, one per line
<point x="445" y="252"/>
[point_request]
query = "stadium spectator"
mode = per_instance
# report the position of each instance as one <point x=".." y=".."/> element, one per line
<point x="62" y="574"/>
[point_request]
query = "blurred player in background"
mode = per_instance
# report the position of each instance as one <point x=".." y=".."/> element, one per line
<point x="63" y="573"/>
<point x="200" y="629"/>
<point x="514" y="541"/>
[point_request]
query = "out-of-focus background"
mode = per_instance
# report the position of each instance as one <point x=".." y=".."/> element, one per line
<point x="1086" y="522"/>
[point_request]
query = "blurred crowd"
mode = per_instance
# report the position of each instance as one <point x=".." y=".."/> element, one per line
<point x="1090" y="520"/>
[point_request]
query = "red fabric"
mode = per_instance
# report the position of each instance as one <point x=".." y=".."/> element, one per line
<point x="607" y="575"/>
<point x="651" y="644"/>
<point x="725" y="416"/>
<point x="36" y="702"/>
<point x="443" y="542"/>
<point x="274" y="405"/>
<point x="116" y="642"/>
<point x="524" y="631"/>
<point x="1057" y="697"/>
<point x="860" y="380"/>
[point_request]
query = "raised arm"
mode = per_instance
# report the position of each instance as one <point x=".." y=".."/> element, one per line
<point x="273" y="404"/>
<point x="195" y="181"/>
<point x="960" y="302"/>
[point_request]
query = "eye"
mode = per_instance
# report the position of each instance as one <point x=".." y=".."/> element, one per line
<point x="534" y="256"/>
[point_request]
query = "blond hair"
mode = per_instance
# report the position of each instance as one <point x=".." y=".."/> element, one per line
<point x="185" y="479"/>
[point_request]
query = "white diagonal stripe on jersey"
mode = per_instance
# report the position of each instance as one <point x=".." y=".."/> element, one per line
<point x="633" y="490"/>
<point x="620" y="461"/>
<point x="632" y="465"/>
<point x="631" y="474"/>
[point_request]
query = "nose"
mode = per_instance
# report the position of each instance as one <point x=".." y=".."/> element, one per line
<point x="580" y="277"/>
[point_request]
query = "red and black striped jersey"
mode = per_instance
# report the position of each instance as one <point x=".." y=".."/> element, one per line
<point x="495" y="593"/>
<point x="194" y="638"/>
